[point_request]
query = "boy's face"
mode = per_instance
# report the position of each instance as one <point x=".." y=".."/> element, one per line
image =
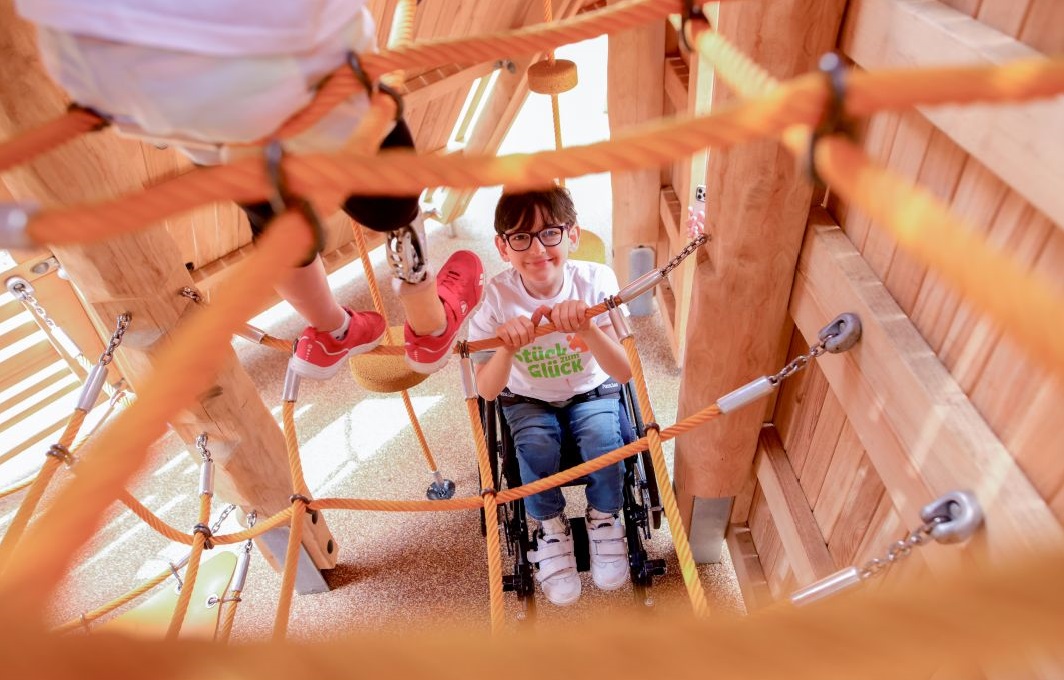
<point x="541" y="267"/>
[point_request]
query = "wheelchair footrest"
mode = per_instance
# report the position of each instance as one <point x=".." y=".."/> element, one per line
<point x="580" y="546"/>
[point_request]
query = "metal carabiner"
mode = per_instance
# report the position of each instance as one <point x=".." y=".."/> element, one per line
<point x="281" y="199"/>
<point x="956" y="516"/>
<point x="842" y="333"/>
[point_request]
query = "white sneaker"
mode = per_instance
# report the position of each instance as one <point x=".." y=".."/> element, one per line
<point x="609" y="550"/>
<point x="556" y="562"/>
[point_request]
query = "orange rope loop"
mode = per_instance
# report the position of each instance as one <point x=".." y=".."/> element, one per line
<point x="799" y="101"/>
<point x="43" y="138"/>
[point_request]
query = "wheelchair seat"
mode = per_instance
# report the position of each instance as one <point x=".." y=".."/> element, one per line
<point x="641" y="507"/>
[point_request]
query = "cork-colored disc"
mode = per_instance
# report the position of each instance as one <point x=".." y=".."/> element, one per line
<point x="385" y="372"/>
<point x="546" y="77"/>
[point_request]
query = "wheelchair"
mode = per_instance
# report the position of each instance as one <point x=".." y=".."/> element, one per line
<point x="641" y="505"/>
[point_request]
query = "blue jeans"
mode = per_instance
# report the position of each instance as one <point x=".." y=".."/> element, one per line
<point x="537" y="432"/>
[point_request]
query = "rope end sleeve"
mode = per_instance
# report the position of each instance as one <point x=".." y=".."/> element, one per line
<point x="14" y="225"/>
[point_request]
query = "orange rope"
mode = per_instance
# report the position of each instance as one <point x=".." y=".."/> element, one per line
<point x="295" y="536"/>
<point x="184" y="368"/>
<point x="491" y="518"/>
<point x="378" y="505"/>
<point x="17" y="487"/>
<point x="668" y="497"/>
<point x="90" y="616"/>
<point x="800" y="101"/>
<point x="39" y="485"/>
<point x="428" y="54"/>
<point x="225" y="628"/>
<point x="199" y="540"/>
<point x="153" y="520"/>
<point x="44" y="138"/>
<point x="378" y="305"/>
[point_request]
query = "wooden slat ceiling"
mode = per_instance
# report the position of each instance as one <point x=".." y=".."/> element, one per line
<point x="431" y="120"/>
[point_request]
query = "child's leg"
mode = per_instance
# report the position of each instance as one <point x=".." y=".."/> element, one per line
<point x="434" y="306"/>
<point x="335" y="332"/>
<point x="596" y="427"/>
<point x="307" y="290"/>
<point x="400" y="218"/>
<point x="537" y="437"/>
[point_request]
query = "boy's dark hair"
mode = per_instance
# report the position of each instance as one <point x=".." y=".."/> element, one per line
<point x="517" y="211"/>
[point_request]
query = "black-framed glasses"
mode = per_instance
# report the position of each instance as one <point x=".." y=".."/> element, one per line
<point x="548" y="236"/>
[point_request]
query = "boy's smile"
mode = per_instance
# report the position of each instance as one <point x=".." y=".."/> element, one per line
<point x="542" y="268"/>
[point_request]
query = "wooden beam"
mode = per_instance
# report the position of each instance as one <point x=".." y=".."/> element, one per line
<point x="142" y="274"/>
<point x="806" y="549"/>
<point x="635" y="79"/>
<point x="1016" y="142"/>
<point x="757" y="206"/>
<point x="920" y="431"/>
<point x="747" y="566"/>
<point x="441" y="81"/>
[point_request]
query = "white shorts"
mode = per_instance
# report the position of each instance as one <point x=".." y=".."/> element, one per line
<point x="209" y="99"/>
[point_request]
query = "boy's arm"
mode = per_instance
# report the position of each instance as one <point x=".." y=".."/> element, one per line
<point x="515" y="333"/>
<point x="493" y="375"/>
<point x="607" y="349"/>
<point x="569" y="316"/>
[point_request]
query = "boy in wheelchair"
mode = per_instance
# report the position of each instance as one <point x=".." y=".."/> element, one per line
<point x="558" y="383"/>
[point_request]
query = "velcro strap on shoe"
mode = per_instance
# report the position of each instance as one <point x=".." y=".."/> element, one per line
<point x="612" y="548"/>
<point x="562" y="564"/>
<point x="549" y="550"/>
<point x="609" y="532"/>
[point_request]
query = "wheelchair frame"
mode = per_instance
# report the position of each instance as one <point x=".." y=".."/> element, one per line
<point x="641" y="504"/>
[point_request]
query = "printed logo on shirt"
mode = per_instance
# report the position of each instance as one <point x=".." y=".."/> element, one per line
<point x="553" y="361"/>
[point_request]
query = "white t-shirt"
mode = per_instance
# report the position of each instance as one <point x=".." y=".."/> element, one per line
<point x="234" y="28"/>
<point x="202" y="73"/>
<point x="556" y="366"/>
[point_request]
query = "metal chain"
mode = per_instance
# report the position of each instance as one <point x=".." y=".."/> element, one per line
<point x="901" y="548"/>
<point x="116" y="338"/>
<point x="687" y="250"/>
<point x="799" y="362"/>
<point x="221" y="518"/>
<point x="252" y="517"/>
<point x="201" y="444"/>
<point x="23" y="294"/>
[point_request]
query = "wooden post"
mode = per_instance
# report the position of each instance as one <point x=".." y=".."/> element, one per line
<point x="142" y="274"/>
<point x="757" y="206"/>
<point x="635" y="82"/>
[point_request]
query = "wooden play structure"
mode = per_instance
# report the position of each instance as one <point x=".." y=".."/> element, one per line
<point x="914" y="183"/>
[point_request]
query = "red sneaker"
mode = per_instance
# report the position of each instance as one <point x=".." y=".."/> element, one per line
<point x="319" y="356"/>
<point x="460" y="285"/>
